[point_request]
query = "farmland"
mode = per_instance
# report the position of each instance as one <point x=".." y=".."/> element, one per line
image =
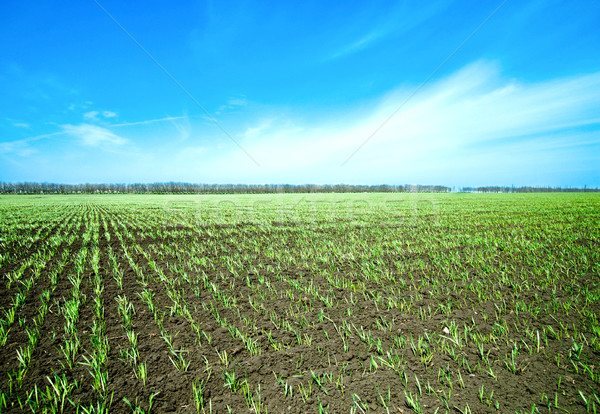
<point x="300" y="303"/>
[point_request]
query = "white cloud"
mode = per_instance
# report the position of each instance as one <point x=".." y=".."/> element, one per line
<point x="94" y="115"/>
<point x="357" y="45"/>
<point x="240" y="101"/>
<point x="181" y="124"/>
<point x="21" y="125"/>
<point x="400" y="19"/>
<point x="91" y="115"/>
<point x="23" y="146"/>
<point x="472" y="127"/>
<point x="471" y="113"/>
<point x="257" y="131"/>
<point x="93" y="135"/>
<point x="150" y="121"/>
<point x="183" y="127"/>
<point x="233" y="103"/>
<point x="20" y="148"/>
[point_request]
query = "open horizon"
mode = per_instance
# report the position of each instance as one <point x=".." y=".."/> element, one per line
<point x="463" y="94"/>
<point x="172" y="187"/>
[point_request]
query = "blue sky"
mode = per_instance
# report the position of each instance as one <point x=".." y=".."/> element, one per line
<point x="304" y="91"/>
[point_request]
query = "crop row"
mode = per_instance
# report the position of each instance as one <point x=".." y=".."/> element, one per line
<point x="299" y="303"/>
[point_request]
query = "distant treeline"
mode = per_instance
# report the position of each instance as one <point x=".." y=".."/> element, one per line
<point x="499" y="189"/>
<point x="187" y="188"/>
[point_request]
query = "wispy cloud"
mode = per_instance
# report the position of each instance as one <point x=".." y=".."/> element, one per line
<point x="400" y="20"/>
<point x="88" y="134"/>
<point x="259" y="129"/>
<point x="20" y="148"/>
<point x="150" y="121"/>
<point x="475" y="124"/>
<point x="358" y="45"/>
<point x="233" y="103"/>
<point x="17" y="123"/>
<point x="93" y="135"/>
<point x="91" y="115"/>
<point x="240" y="101"/>
<point x="474" y="111"/>
<point x="183" y="127"/>
<point x="95" y="115"/>
<point x="23" y="147"/>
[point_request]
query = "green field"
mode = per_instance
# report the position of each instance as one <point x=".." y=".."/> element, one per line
<point x="399" y="303"/>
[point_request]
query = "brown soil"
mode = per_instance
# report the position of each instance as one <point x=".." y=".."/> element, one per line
<point x="319" y="364"/>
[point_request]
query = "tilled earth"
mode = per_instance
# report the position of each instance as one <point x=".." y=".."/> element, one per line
<point x="479" y="312"/>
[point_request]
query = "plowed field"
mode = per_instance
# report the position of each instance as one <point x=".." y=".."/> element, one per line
<point x="300" y="303"/>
